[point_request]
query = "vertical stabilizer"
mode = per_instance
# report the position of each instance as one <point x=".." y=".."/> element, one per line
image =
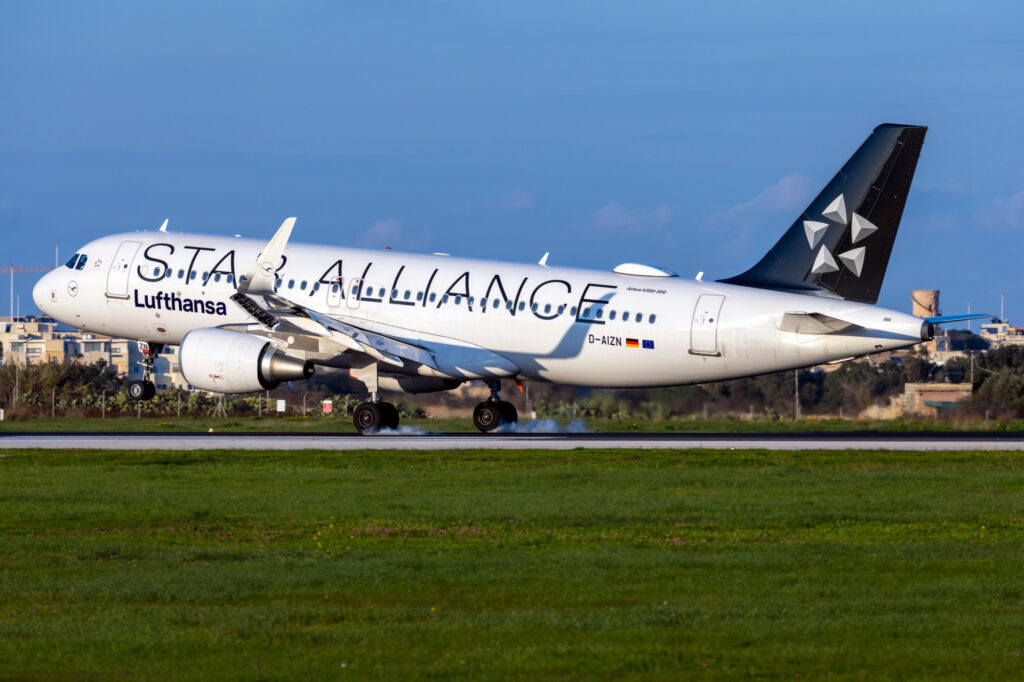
<point x="841" y="244"/>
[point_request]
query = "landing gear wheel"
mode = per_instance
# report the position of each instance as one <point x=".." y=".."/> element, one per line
<point x="388" y="415"/>
<point x="487" y="416"/>
<point x="367" y="417"/>
<point x="137" y="391"/>
<point x="149" y="390"/>
<point x="509" y="415"/>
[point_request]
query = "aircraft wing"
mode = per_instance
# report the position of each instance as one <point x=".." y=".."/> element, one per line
<point x="277" y="313"/>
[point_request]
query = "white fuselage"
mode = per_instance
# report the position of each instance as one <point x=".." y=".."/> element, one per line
<point x="564" y="325"/>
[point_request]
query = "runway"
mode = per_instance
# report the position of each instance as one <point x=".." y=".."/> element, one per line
<point x="554" y="441"/>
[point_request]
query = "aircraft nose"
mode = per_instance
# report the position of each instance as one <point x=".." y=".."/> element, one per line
<point x="41" y="291"/>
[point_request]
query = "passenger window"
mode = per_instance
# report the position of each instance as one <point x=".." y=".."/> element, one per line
<point x="216" y="278"/>
<point x="169" y="273"/>
<point x="651" y="319"/>
<point x="600" y="313"/>
<point x="291" y="284"/>
<point x="381" y="293"/>
<point x="483" y="302"/>
<point x="470" y="301"/>
<point x="445" y="299"/>
<point x="639" y="318"/>
<point x="156" y="272"/>
<point x="419" y="295"/>
<point x="547" y="308"/>
<point x="406" y="295"/>
<point x="508" y="305"/>
<point x="278" y="282"/>
<point x="302" y="285"/>
<point x="522" y="306"/>
<point x="561" y="309"/>
<point x="611" y="315"/>
<point x="534" y="307"/>
<point x="572" y="311"/>
<point x="181" y="274"/>
<point x="433" y="297"/>
<point x="495" y="304"/>
<point x="394" y="293"/>
<point x="625" y="317"/>
<point x="334" y="288"/>
<point x="458" y="300"/>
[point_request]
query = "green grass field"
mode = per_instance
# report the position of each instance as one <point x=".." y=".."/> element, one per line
<point x="496" y="565"/>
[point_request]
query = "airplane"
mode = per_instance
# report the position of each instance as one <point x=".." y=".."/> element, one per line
<point x="249" y="315"/>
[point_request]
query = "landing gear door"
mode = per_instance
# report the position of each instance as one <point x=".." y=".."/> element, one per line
<point x="120" y="269"/>
<point x="334" y="293"/>
<point x="704" y="327"/>
<point x="352" y="298"/>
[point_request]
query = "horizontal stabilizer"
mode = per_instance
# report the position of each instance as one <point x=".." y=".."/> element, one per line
<point x="813" y="323"/>
<point x="955" y="318"/>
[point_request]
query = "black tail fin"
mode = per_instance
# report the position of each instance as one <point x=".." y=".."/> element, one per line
<point x="840" y="246"/>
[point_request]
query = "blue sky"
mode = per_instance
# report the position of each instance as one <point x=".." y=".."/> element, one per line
<point x="687" y="136"/>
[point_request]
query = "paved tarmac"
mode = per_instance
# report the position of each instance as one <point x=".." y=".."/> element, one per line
<point x="514" y="441"/>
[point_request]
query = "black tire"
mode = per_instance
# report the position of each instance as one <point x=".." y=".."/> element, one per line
<point x="136" y="390"/>
<point x="149" y="390"/>
<point x="388" y="415"/>
<point x="509" y="415"/>
<point x="366" y="418"/>
<point x="487" y="416"/>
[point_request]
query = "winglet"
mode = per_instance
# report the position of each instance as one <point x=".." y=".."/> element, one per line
<point x="163" y="228"/>
<point x="544" y="259"/>
<point x="261" y="276"/>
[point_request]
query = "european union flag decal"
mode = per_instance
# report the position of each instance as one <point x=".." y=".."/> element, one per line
<point x="648" y="343"/>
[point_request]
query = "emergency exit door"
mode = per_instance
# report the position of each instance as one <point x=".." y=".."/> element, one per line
<point x="355" y="286"/>
<point x="704" y="327"/>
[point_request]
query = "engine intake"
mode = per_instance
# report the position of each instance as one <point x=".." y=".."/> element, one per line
<point x="234" y="362"/>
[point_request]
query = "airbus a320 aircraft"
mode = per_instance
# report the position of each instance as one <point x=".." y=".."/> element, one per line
<point x="249" y="315"/>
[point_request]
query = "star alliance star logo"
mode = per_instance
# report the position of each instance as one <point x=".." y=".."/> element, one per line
<point x="860" y="227"/>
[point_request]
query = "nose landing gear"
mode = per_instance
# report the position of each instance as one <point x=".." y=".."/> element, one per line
<point x="145" y="389"/>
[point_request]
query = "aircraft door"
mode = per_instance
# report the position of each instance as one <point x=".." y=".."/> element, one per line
<point x="120" y="269"/>
<point x="354" y="286"/>
<point x="704" y="327"/>
<point x="334" y="293"/>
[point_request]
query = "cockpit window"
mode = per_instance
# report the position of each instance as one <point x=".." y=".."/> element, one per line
<point x="76" y="262"/>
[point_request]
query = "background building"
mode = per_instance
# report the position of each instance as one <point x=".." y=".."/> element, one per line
<point x="33" y="340"/>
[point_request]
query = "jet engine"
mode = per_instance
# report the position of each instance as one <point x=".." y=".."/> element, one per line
<point x="233" y="362"/>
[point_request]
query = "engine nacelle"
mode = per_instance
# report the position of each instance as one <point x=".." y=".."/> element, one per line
<point x="233" y="362"/>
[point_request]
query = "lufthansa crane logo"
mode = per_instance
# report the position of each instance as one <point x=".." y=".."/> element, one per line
<point x="815" y="231"/>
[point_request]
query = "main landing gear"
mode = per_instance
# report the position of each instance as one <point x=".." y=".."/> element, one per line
<point x="374" y="415"/>
<point x="145" y="389"/>
<point x="494" y="411"/>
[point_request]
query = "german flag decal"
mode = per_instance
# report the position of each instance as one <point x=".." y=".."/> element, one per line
<point x="632" y="343"/>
